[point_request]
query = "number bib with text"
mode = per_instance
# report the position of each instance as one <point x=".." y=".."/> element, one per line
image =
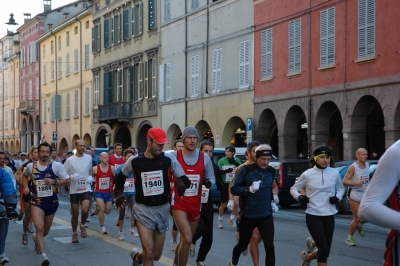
<point x="152" y="183"/>
<point x="194" y="186"/>
<point x="104" y="183"/>
<point x="81" y="184"/>
<point x="229" y="176"/>
<point x="43" y="190"/>
<point x="204" y="194"/>
<point x="129" y="186"/>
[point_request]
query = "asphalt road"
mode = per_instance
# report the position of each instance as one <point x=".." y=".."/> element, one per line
<point x="98" y="250"/>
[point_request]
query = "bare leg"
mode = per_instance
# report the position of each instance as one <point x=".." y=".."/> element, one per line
<point x="254" y="251"/>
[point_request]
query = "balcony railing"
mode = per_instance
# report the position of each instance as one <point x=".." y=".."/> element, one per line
<point x="121" y="111"/>
<point x="28" y="106"/>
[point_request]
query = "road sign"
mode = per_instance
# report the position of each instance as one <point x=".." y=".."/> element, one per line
<point x="54" y="140"/>
<point x="249" y="129"/>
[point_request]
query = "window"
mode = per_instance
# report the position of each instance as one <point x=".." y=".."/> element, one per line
<point x="217" y="64"/>
<point x="76" y="104"/>
<point x="87" y="63"/>
<point x="67" y="39"/>
<point x="366" y="28"/>
<point x="152" y="15"/>
<point x="153" y="75"/>
<point x="108" y="88"/>
<point x="52" y="70"/>
<point x="52" y="47"/>
<point x="59" y="43"/>
<point x="126" y="24"/>
<point x="30" y="90"/>
<point x="146" y="79"/>
<point x="167" y="10"/>
<point x="108" y="2"/>
<point x="45" y="111"/>
<point x="6" y="88"/>
<point x="87" y="24"/>
<point x="17" y="87"/>
<point x="22" y="92"/>
<point x="59" y="68"/>
<point x="67" y="72"/>
<point x="117" y="24"/>
<point x="55" y="106"/>
<point x="96" y="95"/>
<point x="76" y="30"/>
<point x="137" y="19"/>
<point x="140" y="79"/>
<point x="1" y="91"/>
<point x="12" y="118"/>
<point x="168" y="82"/>
<point x="76" y="61"/>
<point x="112" y="30"/>
<point x="132" y="95"/>
<point x="244" y="64"/>
<point x="106" y="33"/>
<point x="195" y="4"/>
<point x="120" y="92"/>
<point x="327" y="37"/>
<point x="1" y="118"/>
<point x="6" y="119"/>
<point x="44" y="74"/>
<point x="67" y="107"/>
<point x="195" y="75"/>
<point x="87" y="101"/>
<point x="295" y="46"/>
<point x="266" y="54"/>
<point x="37" y="96"/>
<point x="44" y="51"/>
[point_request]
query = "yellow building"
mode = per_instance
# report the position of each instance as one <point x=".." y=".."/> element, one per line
<point x="66" y="81"/>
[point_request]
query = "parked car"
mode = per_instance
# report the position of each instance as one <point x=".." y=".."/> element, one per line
<point x="286" y="173"/>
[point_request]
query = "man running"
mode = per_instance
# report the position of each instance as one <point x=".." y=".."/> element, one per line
<point x="104" y="176"/>
<point x="117" y="158"/>
<point x="178" y="145"/>
<point x="152" y="171"/>
<point x="186" y="209"/>
<point x="44" y="174"/>
<point x="79" y="167"/>
<point x="357" y="178"/>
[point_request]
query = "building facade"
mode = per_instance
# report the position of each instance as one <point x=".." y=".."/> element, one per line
<point x="126" y="44"/>
<point x="326" y="72"/>
<point x="66" y="82"/>
<point x="206" y="75"/>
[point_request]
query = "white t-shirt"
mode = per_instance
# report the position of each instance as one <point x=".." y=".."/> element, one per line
<point x="80" y="166"/>
<point x="58" y="169"/>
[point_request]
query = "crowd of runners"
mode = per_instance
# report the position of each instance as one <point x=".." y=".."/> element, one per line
<point x="150" y="186"/>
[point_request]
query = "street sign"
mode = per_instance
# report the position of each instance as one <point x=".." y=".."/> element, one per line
<point x="54" y="140"/>
<point x="249" y="129"/>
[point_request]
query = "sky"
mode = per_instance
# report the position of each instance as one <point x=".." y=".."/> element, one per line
<point x="19" y="7"/>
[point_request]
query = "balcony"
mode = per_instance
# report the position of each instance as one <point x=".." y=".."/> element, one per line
<point x="28" y="106"/>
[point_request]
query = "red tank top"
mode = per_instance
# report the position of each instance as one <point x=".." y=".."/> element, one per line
<point x="104" y="181"/>
<point x="191" y="201"/>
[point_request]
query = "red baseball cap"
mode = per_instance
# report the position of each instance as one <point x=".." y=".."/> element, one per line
<point x="158" y="134"/>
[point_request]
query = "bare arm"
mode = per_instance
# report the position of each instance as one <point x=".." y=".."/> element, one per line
<point x="349" y="175"/>
<point x="233" y="179"/>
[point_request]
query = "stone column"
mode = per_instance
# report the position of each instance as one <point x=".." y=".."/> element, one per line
<point x="36" y="138"/>
<point x="392" y="134"/>
<point x="287" y="145"/>
<point x="353" y="138"/>
<point x="23" y="142"/>
<point x="28" y="141"/>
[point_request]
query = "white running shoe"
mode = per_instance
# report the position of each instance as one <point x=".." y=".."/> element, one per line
<point x="304" y="262"/>
<point x="173" y="245"/>
<point x="134" y="232"/>
<point x="103" y="230"/>
<point x="134" y="252"/>
<point x="192" y="250"/>
<point x="4" y="259"/>
<point x="219" y="224"/>
<point x="245" y="252"/>
<point x="200" y="263"/>
<point x="232" y="222"/>
<point x="121" y="236"/>
<point x="309" y="247"/>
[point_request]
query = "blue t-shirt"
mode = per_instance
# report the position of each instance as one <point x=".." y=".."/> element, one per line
<point x="117" y="171"/>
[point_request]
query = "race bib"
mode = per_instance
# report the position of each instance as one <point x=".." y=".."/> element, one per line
<point x="204" y="194"/>
<point x="229" y="176"/>
<point x="193" y="190"/>
<point x="104" y="183"/>
<point x="43" y="190"/>
<point x="152" y="183"/>
<point x="365" y="179"/>
<point x="129" y="186"/>
<point x="81" y="184"/>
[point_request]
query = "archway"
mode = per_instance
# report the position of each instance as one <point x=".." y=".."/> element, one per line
<point x="234" y="133"/>
<point x="101" y="138"/>
<point x="123" y="136"/>
<point x="328" y="128"/>
<point x="30" y="134"/>
<point x="1" y="146"/>
<point x="63" y="145"/>
<point x="12" y="148"/>
<point x="6" y="147"/>
<point x="396" y="126"/>
<point x="294" y="141"/>
<point x="141" y="143"/>
<point x="24" y="128"/>
<point x="267" y="130"/>
<point x="37" y="124"/>
<point x="205" y="132"/>
<point x="74" y="138"/>
<point x="87" y="139"/>
<point x="17" y="147"/>
<point x="173" y="133"/>
<point x="367" y="123"/>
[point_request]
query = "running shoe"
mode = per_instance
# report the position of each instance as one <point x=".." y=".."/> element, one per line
<point x="173" y="245"/>
<point x="83" y="231"/>
<point x="20" y="216"/>
<point x="237" y="235"/>
<point x="231" y="264"/>
<point x="121" y="236"/>
<point x="192" y="250"/>
<point x="245" y="252"/>
<point x="309" y="247"/>
<point x="34" y="241"/>
<point x="30" y="229"/>
<point x="45" y="262"/>
<point x="87" y="220"/>
<point x="103" y="230"/>
<point x="219" y="224"/>
<point x="134" y="232"/>
<point x="134" y="253"/>
<point x="350" y="241"/>
<point x="360" y="230"/>
<point x="25" y="238"/>
<point x="3" y="259"/>
<point x="200" y="263"/>
<point x="232" y="222"/>
<point x="304" y="262"/>
<point x="75" y="239"/>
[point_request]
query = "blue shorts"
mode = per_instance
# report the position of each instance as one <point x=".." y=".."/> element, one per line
<point x="107" y="197"/>
<point x="48" y="208"/>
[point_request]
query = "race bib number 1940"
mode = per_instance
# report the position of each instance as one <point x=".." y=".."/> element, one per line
<point x="43" y="190"/>
<point x="152" y="183"/>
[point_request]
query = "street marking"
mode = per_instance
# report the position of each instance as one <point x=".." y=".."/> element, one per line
<point x="60" y="227"/>
<point x="63" y="240"/>
<point x="122" y="244"/>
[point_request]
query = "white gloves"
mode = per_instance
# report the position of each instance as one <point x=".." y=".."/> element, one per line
<point x="230" y="205"/>
<point x="74" y="176"/>
<point x="255" y="186"/>
<point x="90" y="179"/>
<point x="274" y="207"/>
<point x="276" y="199"/>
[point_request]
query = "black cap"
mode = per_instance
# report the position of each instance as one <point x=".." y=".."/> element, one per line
<point x="322" y="149"/>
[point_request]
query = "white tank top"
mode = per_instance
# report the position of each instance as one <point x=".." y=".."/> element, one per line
<point x="360" y="174"/>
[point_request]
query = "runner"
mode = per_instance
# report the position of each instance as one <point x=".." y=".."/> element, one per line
<point x="324" y="191"/>
<point x="357" y="178"/>
<point x="152" y="171"/>
<point x="178" y="145"/>
<point x="186" y="209"/>
<point x="117" y="158"/>
<point x="79" y="167"/>
<point x="227" y="165"/>
<point x="44" y="175"/>
<point x="104" y="176"/>
<point x="383" y="189"/>
<point x="205" y="227"/>
<point x="129" y="192"/>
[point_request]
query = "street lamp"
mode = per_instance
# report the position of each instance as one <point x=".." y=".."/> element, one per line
<point x="12" y="26"/>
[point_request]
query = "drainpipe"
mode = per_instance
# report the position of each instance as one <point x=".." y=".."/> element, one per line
<point x="309" y="100"/>
<point x="345" y="57"/>
<point x="14" y="93"/>
<point x="186" y="66"/>
<point x="81" y="88"/>
<point x="2" y="85"/>
<point x="56" y="74"/>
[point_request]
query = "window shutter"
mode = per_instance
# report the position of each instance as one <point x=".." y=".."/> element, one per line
<point x="195" y="75"/>
<point x="152" y="14"/>
<point x="76" y="65"/>
<point x="112" y="30"/>
<point x="140" y="70"/>
<point x="119" y="28"/>
<point x="295" y="46"/>
<point x="45" y="111"/>
<point x="327" y="30"/>
<point x="67" y="64"/>
<point x="168" y="81"/>
<point x="52" y="70"/>
<point x="106" y="33"/>
<point x="86" y="56"/>
<point x="366" y="28"/>
<point x="44" y="76"/>
<point x="266" y="60"/>
<point x="126" y="24"/>
<point x="146" y="79"/>
<point x="87" y="101"/>
<point x="140" y="18"/>
<point x="133" y="21"/>
<point x="57" y="107"/>
<point x="98" y="37"/>
<point x="93" y="37"/>
<point x="52" y="109"/>
<point x="131" y="84"/>
<point x="244" y="64"/>
<point x="59" y="67"/>
<point x="76" y="104"/>
<point x="105" y="89"/>
<point x="167" y="10"/>
<point x="154" y="77"/>
<point x="67" y="106"/>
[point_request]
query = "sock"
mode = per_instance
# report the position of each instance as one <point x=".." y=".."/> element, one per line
<point x="44" y="256"/>
<point x="220" y="218"/>
<point x="350" y="236"/>
<point x="232" y="217"/>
